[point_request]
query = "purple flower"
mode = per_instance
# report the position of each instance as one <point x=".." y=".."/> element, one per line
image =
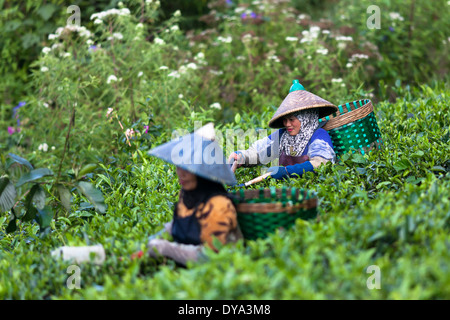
<point x="253" y="15"/>
<point x="243" y="16"/>
<point x="93" y="48"/>
<point x="391" y="28"/>
<point x="146" y="129"/>
<point x="20" y="105"/>
<point x="11" y="130"/>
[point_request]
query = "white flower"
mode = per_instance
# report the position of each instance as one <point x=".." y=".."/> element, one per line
<point x="174" y="74"/>
<point x="182" y="69"/>
<point x="396" y="16"/>
<point x="129" y="132"/>
<point x="46" y="50"/>
<point x="44" y="69"/>
<point x="53" y="148"/>
<point x="66" y="54"/>
<point x="163" y="68"/>
<point x="180" y="96"/>
<point x="116" y="35"/>
<point x="159" y="41"/>
<point x="192" y="66"/>
<point x="110" y="12"/>
<point x="216" y="72"/>
<point x="338" y="80"/>
<point x="215" y="105"/>
<point x="323" y="51"/>
<point x="140" y="74"/>
<point x="43" y="147"/>
<point x="45" y="104"/>
<point x="326" y="31"/>
<point x="344" y="38"/>
<point x="247" y="38"/>
<point x="227" y="39"/>
<point x="98" y="21"/>
<point x="177" y="13"/>
<point x="174" y="28"/>
<point x="349" y="65"/>
<point x="199" y="57"/>
<point x="111" y="78"/>
<point x="52" y="36"/>
<point x="274" y="58"/>
<point x="291" y="39"/>
<point x="357" y="56"/>
<point x="109" y="111"/>
<point x="139" y="26"/>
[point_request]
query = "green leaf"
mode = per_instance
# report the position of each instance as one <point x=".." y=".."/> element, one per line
<point x="12" y="226"/>
<point x="38" y="197"/>
<point x="418" y="154"/>
<point x="36" y="192"/>
<point x="402" y="165"/>
<point x="34" y="175"/>
<point x="87" y="169"/>
<point x="359" y="158"/>
<point x="94" y="195"/>
<point x="20" y="160"/>
<point x="30" y="215"/>
<point x="438" y="168"/>
<point x="7" y="194"/>
<point x="46" y="11"/>
<point x="44" y="217"/>
<point x="237" y="118"/>
<point x="65" y="196"/>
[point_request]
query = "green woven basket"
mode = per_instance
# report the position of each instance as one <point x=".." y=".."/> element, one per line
<point x="355" y="127"/>
<point x="261" y="212"/>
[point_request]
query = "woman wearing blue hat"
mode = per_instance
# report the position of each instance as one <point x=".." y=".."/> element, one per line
<point x="300" y="145"/>
<point x="204" y="210"/>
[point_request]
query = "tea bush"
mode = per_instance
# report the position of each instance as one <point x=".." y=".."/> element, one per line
<point x="389" y="208"/>
<point x="101" y="96"/>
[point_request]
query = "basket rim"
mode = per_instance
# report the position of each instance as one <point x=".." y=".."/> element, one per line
<point x="264" y="208"/>
<point x="348" y="115"/>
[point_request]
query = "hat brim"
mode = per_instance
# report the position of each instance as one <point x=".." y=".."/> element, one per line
<point x="300" y="100"/>
<point x="197" y="155"/>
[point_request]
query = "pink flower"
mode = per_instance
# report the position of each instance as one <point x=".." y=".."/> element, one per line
<point x="146" y="129"/>
<point x="11" y="130"/>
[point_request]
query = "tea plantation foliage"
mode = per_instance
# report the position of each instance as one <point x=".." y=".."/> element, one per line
<point x="76" y="172"/>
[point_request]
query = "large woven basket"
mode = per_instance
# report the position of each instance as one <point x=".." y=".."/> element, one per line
<point x="355" y="127"/>
<point x="261" y="212"/>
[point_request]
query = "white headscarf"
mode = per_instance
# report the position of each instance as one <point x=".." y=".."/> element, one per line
<point x="295" y="145"/>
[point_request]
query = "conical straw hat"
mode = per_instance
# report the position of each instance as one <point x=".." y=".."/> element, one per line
<point x="199" y="154"/>
<point x="299" y="99"/>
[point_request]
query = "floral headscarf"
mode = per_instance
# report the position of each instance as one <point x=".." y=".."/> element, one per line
<point x="295" y="145"/>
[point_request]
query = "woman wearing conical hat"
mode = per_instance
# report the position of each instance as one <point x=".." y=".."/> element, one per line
<point x="300" y="145"/>
<point x="204" y="210"/>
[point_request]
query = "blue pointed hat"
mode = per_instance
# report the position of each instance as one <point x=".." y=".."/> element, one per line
<point x="199" y="154"/>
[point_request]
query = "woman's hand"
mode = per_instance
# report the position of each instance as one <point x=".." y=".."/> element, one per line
<point x="238" y="157"/>
<point x="278" y="172"/>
